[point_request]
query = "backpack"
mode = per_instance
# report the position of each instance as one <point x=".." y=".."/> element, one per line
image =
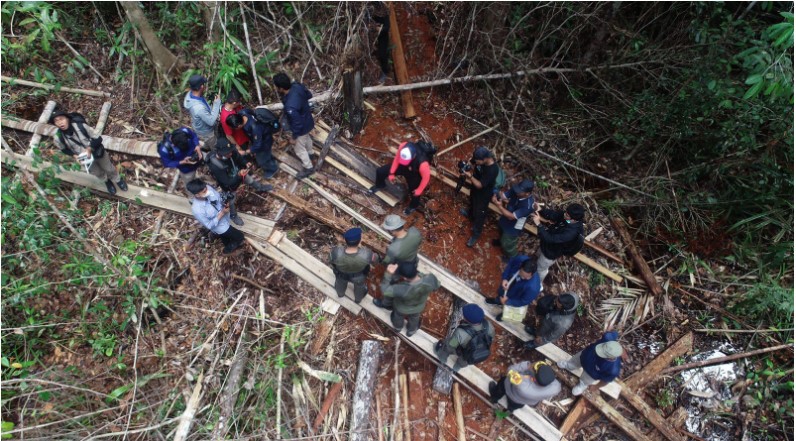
<point x="265" y="116"/>
<point x="97" y="148"/>
<point x="500" y="181"/>
<point x="426" y="148"/>
<point x="478" y="348"/>
<point x="574" y="246"/>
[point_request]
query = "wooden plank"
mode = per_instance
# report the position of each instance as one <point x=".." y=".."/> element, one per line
<point x="399" y="63"/>
<point x="330" y="306"/>
<point x="575" y="414"/>
<point x="651" y="415"/>
<point x="326" y="144"/>
<point x="457" y="408"/>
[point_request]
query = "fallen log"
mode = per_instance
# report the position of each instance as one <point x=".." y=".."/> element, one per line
<point x="441" y="421"/>
<point x="399" y="63"/>
<point x="102" y="119"/>
<point x="334" y="392"/>
<point x="477" y="135"/>
<point x="229" y="395"/>
<point x="637" y="258"/>
<point x="15" y="81"/>
<point x="326" y="145"/>
<point x="367" y="372"/>
<point x="43" y="119"/>
<point x="186" y="419"/>
<point x="720" y="360"/>
<point x="443" y="378"/>
<point x="457" y="408"/>
<point x="405" y="399"/>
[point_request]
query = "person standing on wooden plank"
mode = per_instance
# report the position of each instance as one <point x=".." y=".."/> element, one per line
<point x="298" y="116"/>
<point x="351" y="263"/>
<point x="212" y="212"/>
<point x="558" y="314"/>
<point x="405" y="243"/>
<point x="471" y="340"/>
<point x="405" y="292"/>
<point x="525" y="384"/>
<point x="230" y="170"/>
<point x="203" y="117"/>
<point x="236" y="137"/>
<point x="180" y="149"/>
<point x="81" y="142"/>
<point x="601" y="362"/>
<point x="482" y="177"/>
<point x="515" y="206"/>
<point x="412" y="162"/>
<point x="563" y="237"/>
<point x="519" y="287"/>
<point x="261" y="136"/>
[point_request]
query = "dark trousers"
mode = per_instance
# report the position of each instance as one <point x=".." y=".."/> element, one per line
<point x="500" y="390"/>
<point x="478" y="211"/>
<point x="412" y="321"/>
<point x="231" y="238"/>
<point x="412" y="180"/>
<point x="359" y="280"/>
<point x="266" y="160"/>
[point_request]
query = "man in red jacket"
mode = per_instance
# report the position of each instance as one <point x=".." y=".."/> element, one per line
<point x="411" y="163"/>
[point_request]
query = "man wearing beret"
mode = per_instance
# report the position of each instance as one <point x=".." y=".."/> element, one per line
<point x="351" y="263"/>
<point x="203" y="117"/>
<point x="561" y="234"/>
<point x="515" y="206"/>
<point x="405" y="292"/>
<point x="601" y="362"/>
<point x="482" y="180"/>
<point x="473" y="325"/>
<point x="558" y="314"/>
<point x="405" y="241"/>
<point x="525" y="383"/>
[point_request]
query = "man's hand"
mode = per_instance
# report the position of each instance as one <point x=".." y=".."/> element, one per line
<point x="505" y="285"/>
<point x="391" y="178"/>
<point x="495" y="199"/>
<point x="536" y="219"/>
<point x="417" y="193"/>
<point x="243" y="172"/>
<point x="391" y="268"/>
<point x="223" y="211"/>
<point x="217" y="98"/>
<point x="503" y="300"/>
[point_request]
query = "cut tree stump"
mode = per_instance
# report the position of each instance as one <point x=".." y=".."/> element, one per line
<point x="443" y="378"/>
<point x="367" y="372"/>
<point x="354" y="100"/>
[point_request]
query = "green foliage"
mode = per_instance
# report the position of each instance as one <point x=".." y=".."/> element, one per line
<point x="229" y="68"/>
<point x="772" y="387"/>
<point x="767" y="302"/>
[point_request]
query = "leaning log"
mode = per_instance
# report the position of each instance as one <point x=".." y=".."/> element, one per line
<point x="354" y="100"/>
<point x="45" y="116"/>
<point x="443" y="378"/>
<point x="399" y="62"/>
<point x="635" y="255"/>
<point x="369" y="360"/>
<point x="15" y="81"/>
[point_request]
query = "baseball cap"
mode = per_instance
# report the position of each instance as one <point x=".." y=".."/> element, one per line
<point x="576" y="211"/>
<point x="481" y="153"/>
<point x="405" y="155"/>
<point x="196" y="81"/>
<point x="223" y="146"/>
<point x="526" y="186"/>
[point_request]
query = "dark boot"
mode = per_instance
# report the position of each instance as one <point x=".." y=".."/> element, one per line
<point x="122" y="185"/>
<point x="305" y="173"/>
<point x="111" y="188"/>
<point x="530" y="330"/>
<point x="262" y="188"/>
<point x="471" y="242"/>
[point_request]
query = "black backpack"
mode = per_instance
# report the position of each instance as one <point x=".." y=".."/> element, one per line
<point x="96" y="143"/>
<point x="478" y="348"/>
<point x="427" y="149"/>
<point x="265" y="116"/>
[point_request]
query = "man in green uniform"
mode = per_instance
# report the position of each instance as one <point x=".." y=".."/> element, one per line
<point x="405" y="293"/>
<point x="471" y="340"/>
<point x="351" y="263"/>
<point x="405" y="242"/>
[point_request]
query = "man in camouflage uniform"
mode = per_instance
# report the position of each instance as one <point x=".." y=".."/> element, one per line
<point x="405" y="293"/>
<point x="405" y="242"/>
<point x="473" y="321"/>
<point x="351" y="263"/>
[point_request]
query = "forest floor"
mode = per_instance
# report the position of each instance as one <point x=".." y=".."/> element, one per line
<point x="200" y="281"/>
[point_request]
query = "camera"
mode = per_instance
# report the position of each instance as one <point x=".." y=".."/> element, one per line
<point x="464" y="166"/>
<point x="195" y="156"/>
<point x="227" y="196"/>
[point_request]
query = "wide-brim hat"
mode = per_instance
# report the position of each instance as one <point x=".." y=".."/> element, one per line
<point x="608" y="350"/>
<point x="393" y="222"/>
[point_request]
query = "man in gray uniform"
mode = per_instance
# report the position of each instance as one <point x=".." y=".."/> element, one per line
<point x="405" y="242"/>
<point x="405" y="293"/>
<point x="558" y="313"/>
<point x="525" y="384"/>
<point x="471" y="340"/>
<point x="351" y="263"/>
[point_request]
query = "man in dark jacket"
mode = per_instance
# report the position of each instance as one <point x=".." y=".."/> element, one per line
<point x="180" y="149"/>
<point x="81" y="142"/>
<point x="558" y="314"/>
<point x="520" y="284"/>
<point x="230" y="170"/>
<point x="601" y="362"/>
<point x="482" y="180"/>
<point x="261" y="138"/>
<point x="515" y="206"/>
<point x="561" y="237"/>
<point x="298" y="114"/>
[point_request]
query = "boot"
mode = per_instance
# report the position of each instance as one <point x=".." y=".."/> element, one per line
<point x="122" y="185"/>
<point x="471" y="242"/>
<point x="111" y="188"/>
<point x="236" y="220"/>
<point x="305" y="173"/>
<point x="264" y="188"/>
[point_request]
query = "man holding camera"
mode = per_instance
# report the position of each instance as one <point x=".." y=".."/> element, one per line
<point x="179" y="149"/>
<point x="212" y="212"/>
<point x="481" y="176"/>
<point x="515" y="206"/>
<point x="230" y="170"/>
<point x="81" y="142"/>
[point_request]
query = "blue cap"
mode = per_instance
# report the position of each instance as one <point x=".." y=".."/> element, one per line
<point x="353" y="235"/>
<point x="473" y="313"/>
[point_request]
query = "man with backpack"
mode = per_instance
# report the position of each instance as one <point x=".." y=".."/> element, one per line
<point x="482" y="178"/>
<point x="298" y="115"/>
<point x="236" y="137"/>
<point x="259" y="125"/>
<point x="179" y="149"/>
<point x="405" y="292"/>
<point x="558" y="314"/>
<point x="562" y="237"/>
<point x="515" y="206"/>
<point x="351" y="263"/>
<point x="471" y="340"/>
<point x="81" y="142"/>
<point x="203" y="117"/>
<point x="412" y="161"/>
<point x="230" y="170"/>
<point x="519" y="286"/>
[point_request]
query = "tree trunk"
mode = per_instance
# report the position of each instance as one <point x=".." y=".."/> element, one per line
<point x="161" y="56"/>
<point x="367" y="373"/>
<point x="352" y="89"/>
<point x="212" y="17"/>
<point x="399" y="62"/>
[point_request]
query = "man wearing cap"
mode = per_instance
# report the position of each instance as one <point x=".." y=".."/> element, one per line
<point x="405" y="292"/>
<point x="180" y="149"/>
<point x="411" y="163"/>
<point x="562" y="237"/>
<point x="203" y="117"/>
<point x="558" y="314"/>
<point x="230" y="170"/>
<point x="515" y="206"/>
<point x="81" y="142"/>
<point x="261" y="137"/>
<point x="525" y="383"/>
<point x="210" y="210"/>
<point x="482" y="180"/>
<point x="236" y="137"/>
<point x="519" y="286"/>
<point x="298" y="113"/>
<point x="473" y="323"/>
<point x="405" y="242"/>
<point x="351" y="263"/>
<point x="601" y="362"/>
